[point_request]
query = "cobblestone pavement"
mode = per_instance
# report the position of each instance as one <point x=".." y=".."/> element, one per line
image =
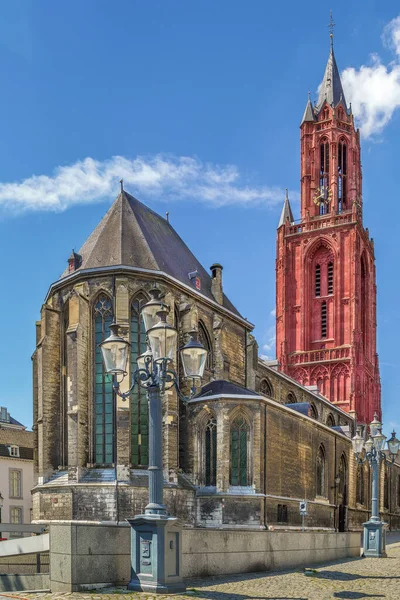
<point x="346" y="579"/>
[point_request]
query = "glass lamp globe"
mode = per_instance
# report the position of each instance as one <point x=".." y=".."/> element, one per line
<point x="369" y="444"/>
<point x="115" y="351"/>
<point x="151" y="308"/>
<point x="162" y="339"/>
<point x="358" y="443"/>
<point x="375" y="425"/>
<point x="393" y="444"/>
<point x="194" y="357"/>
<point x="145" y="360"/>
<point x="379" y="441"/>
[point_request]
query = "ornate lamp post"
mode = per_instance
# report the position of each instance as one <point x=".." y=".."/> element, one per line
<point x="155" y="535"/>
<point x="372" y="451"/>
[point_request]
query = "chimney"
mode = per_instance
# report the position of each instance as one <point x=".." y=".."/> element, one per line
<point x="216" y="282"/>
<point x="74" y="261"/>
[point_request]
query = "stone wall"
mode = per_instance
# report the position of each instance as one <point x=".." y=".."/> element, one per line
<point x="83" y="555"/>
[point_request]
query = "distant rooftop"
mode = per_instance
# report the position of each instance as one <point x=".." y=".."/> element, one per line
<point x="6" y="418"/>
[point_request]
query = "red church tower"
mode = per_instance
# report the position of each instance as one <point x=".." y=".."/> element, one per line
<point x="325" y="268"/>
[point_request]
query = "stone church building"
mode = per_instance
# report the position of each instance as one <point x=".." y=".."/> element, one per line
<point x="259" y="437"/>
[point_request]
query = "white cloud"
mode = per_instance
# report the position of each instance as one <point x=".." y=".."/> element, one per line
<point x="374" y="89"/>
<point x="273" y="313"/>
<point x="162" y="177"/>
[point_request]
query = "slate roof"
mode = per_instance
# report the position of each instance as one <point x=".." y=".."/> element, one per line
<point x="25" y="453"/>
<point x="308" y="113"/>
<point x="286" y="212"/>
<point x="131" y="234"/>
<point x="222" y="387"/>
<point x="331" y="88"/>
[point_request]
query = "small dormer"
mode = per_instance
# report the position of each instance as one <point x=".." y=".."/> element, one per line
<point x="13" y="451"/>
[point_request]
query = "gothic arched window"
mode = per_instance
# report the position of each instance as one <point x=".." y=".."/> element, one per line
<point x="313" y="413"/>
<point x="321" y="472"/>
<point x="138" y="398"/>
<point x="360" y="485"/>
<point x="204" y="339"/>
<point x="240" y="438"/>
<point x="65" y="375"/>
<point x="342" y="175"/>
<point x="330" y="421"/>
<point x="266" y="388"/>
<point x="210" y="448"/>
<point x="104" y="405"/>
<point x="324" y="177"/>
<point x="291" y="398"/>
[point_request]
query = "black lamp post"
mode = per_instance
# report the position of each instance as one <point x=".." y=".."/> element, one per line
<point x="156" y="536"/>
<point x="372" y="451"/>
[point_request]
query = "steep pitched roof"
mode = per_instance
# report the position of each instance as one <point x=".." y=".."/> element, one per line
<point x="131" y="234"/>
<point x="286" y="212"/>
<point x="331" y="87"/>
<point x="308" y="113"/>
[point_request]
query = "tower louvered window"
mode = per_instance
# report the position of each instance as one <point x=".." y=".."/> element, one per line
<point x="139" y="403"/>
<point x="317" y="280"/>
<point x="330" y="278"/>
<point x="342" y="176"/>
<point x="240" y="432"/>
<point x="211" y="452"/>
<point x="324" y="178"/>
<point x="324" y="320"/>
<point x="104" y="413"/>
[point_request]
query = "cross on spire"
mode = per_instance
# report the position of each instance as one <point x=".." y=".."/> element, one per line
<point x="331" y="26"/>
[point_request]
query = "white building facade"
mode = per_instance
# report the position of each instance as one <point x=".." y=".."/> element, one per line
<point x="16" y="472"/>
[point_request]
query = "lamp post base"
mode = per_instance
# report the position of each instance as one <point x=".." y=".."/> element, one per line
<point x="374" y="545"/>
<point x="156" y="554"/>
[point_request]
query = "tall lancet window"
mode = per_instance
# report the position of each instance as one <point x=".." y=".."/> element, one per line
<point x="342" y="175"/>
<point x="139" y="403"/>
<point x="211" y="452"/>
<point x="324" y="178"/>
<point x="240" y="437"/>
<point x="104" y="414"/>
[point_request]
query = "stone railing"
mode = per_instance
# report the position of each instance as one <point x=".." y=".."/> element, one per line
<point x="322" y="222"/>
<point x="326" y="354"/>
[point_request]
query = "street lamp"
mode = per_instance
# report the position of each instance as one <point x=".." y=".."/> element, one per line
<point x="372" y="451"/>
<point x="155" y="535"/>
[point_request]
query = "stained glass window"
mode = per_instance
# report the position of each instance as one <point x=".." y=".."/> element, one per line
<point x="240" y="431"/>
<point x="139" y="402"/>
<point x="211" y="452"/>
<point x="104" y="414"/>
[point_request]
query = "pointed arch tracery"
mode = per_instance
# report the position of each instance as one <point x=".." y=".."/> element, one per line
<point x="342" y="175"/>
<point x="320" y="377"/>
<point x="266" y="387"/>
<point x="340" y="382"/>
<point x="240" y="446"/>
<point x="301" y="375"/>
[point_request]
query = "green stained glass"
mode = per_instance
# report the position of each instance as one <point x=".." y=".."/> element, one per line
<point x="239" y="451"/>
<point x="139" y="404"/>
<point x="104" y="420"/>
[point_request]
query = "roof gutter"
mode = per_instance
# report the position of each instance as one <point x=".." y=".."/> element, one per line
<point x="83" y="273"/>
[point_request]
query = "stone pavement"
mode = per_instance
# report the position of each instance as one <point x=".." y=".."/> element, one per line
<point x="346" y="579"/>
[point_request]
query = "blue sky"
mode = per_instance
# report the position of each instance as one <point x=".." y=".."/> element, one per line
<point x="201" y="103"/>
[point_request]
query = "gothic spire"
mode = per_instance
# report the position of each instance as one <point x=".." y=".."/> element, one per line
<point x="309" y="111"/>
<point x="331" y="88"/>
<point x="286" y="211"/>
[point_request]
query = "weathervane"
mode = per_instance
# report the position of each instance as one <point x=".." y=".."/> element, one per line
<point x="331" y="26"/>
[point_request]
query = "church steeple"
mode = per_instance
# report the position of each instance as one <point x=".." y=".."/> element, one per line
<point x="331" y="88"/>
<point x="309" y="114"/>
